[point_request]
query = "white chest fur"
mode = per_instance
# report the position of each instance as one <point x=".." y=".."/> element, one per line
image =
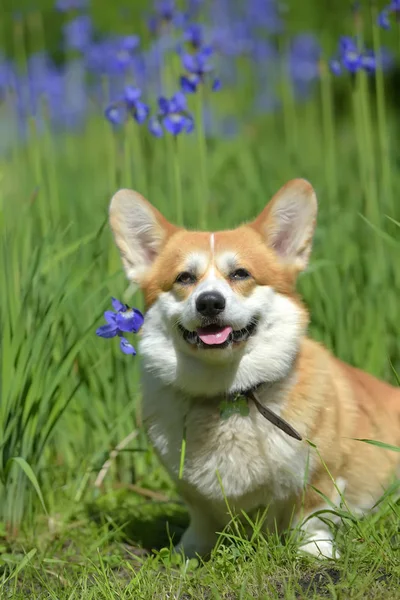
<point x="246" y="460"/>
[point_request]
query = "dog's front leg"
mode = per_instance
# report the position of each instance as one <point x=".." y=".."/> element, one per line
<point x="201" y="535"/>
<point x="318" y="539"/>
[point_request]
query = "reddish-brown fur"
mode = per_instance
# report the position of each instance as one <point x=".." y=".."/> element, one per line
<point x="248" y="245"/>
<point x="336" y="402"/>
<point x="341" y="404"/>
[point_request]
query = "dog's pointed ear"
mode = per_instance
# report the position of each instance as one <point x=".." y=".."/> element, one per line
<point x="140" y="231"/>
<point x="287" y="223"/>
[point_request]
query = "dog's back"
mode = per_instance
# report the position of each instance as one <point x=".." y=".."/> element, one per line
<point x="342" y="405"/>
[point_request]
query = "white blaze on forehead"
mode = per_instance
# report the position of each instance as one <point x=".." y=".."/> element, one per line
<point x="197" y="262"/>
<point x="212" y="245"/>
<point x="213" y="281"/>
<point x="212" y="249"/>
<point x="227" y="262"/>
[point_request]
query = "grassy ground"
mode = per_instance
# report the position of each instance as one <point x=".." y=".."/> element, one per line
<point x="83" y="559"/>
<point x="68" y="398"/>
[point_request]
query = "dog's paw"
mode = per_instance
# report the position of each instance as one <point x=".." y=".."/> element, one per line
<point x="320" y="548"/>
<point x="186" y="551"/>
<point x="193" y="550"/>
<point x="193" y="545"/>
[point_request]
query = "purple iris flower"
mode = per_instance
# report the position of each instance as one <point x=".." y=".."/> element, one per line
<point x="7" y="75"/>
<point x="63" y="90"/>
<point x="193" y="7"/>
<point x="129" y="42"/>
<point x="69" y="5"/>
<point x="78" y="33"/>
<point x="66" y="92"/>
<point x="351" y="55"/>
<point x="115" y="114"/>
<point x="194" y="35"/>
<point x="384" y="16"/>
<point x="123" y="320"/>
<point x="165" y="9"/>
<point x="265" y="14"/>
<point x="352" y="58"/>
<point x="125" y="47"/>
<point x="129" y="104"/>
<point x="304" y="58"/>
<point x="140" y="112"/>
<point x="174" y="113"/>
<point x="176" y="104"/>
<point x="335" y="66"/>
<point x="383" y="19"/>
<point x="173" y="116"/>
<point x="155" y="127"/>
<point x="197" y="68"/>
<point x="112" y="56"/>
<point x="383" y="59"/>
<point x="369" y="62"/>
<point x="165" y="13"/>
<point x="138" y="109"/>
<point x="233" y="39"/>
<point x="127" y="347"/>
<point x="132" y="95"/>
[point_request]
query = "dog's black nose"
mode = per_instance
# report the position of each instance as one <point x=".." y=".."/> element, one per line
<point x="210" y="304"/>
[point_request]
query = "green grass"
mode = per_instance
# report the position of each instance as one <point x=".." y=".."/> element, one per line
<point x="94" y="560"/>
<point x="68" y="398"/>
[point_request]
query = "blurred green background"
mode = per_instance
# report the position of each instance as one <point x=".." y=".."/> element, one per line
<point x="67" y="397"/>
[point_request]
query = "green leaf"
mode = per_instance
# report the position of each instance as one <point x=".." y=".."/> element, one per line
<point x="27" y="469"/>
<point x="22" y="564"/>
<point x="382" y="234"/>
<point x="183" y="453"/>
<point x="390" y="491"/>
<point x="379" y="444"/>
<point x="397" y="376"/>
<point x="67" y="251"/>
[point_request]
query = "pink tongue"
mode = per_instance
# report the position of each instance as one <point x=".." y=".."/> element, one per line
<point x="214" y="335"/>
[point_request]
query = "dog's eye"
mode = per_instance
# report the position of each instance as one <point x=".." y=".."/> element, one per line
<point x="239" y="275"/>
<point x="186" y="278"/>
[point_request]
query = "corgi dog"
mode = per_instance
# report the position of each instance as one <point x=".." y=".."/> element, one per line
<point x="227" y="364"/>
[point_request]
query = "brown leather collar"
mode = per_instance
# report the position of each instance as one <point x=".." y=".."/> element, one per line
<point x="268" y="414"/>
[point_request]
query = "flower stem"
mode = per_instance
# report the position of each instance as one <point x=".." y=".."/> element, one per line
<point x="381" y="115"/>
<point x="177" y="182"/>
<point x="328" y="125"/>
<point x="371" y="190"/>
<point x="36" y="31"/>
<point x="35" y="148"/>
<point x="288" y="107"/>
<point x="202" y="149"/>
<point x="367" y="164"/>
<point x="111" y="160"/>
<point x="139" y="164"/>
<point x="110" y="144"/>
<point x="127" y="172"/>
<point x="358" y="130"/>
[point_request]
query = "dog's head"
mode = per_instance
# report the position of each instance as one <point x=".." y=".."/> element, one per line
<point x="225" y="299"/>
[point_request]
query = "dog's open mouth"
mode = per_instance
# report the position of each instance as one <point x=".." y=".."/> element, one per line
<point x="217" y="336"/>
